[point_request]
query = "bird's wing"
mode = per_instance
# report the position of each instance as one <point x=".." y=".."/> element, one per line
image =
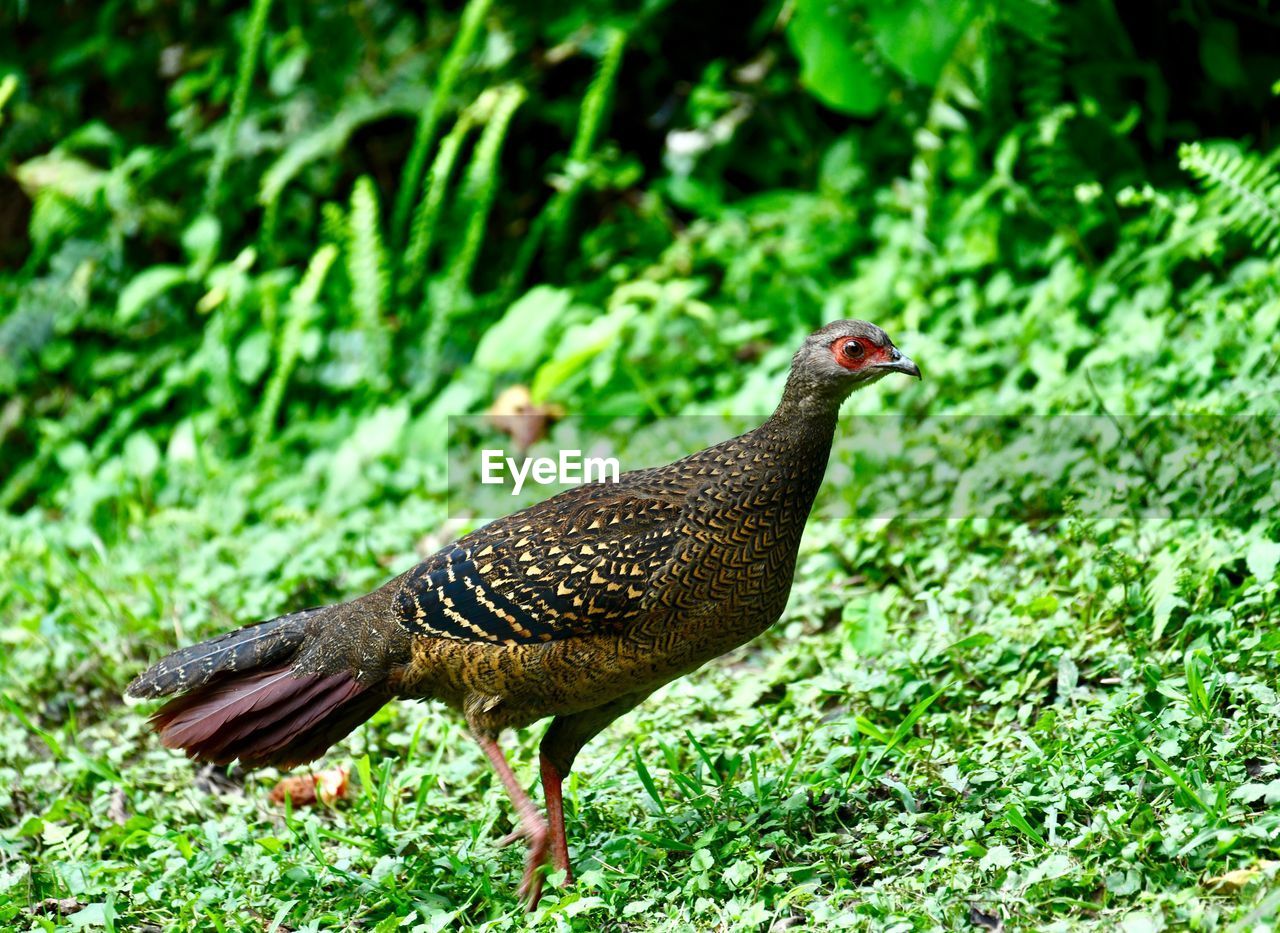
<point x="578" y="563"/>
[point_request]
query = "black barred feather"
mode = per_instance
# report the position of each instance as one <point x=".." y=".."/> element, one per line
<point x="248" y="648"/>
<point x="580" y="566"/>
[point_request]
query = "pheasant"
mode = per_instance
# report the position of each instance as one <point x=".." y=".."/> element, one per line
<point x="576" y="608"/>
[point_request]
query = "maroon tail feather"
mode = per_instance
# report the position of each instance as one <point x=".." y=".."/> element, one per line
<point x="266" y="717"/>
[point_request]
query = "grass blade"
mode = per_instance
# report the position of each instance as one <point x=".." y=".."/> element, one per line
<point x="647" y="781"/>
<point x="907" y="723"/>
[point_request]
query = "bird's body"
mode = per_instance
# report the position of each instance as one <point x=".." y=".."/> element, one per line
<point x="639" y="582"/>
<point x="576" y="608"/>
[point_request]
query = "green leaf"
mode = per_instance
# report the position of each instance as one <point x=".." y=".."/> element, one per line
<point x="1196" y="690"/>
<point x="365" y="773"/>
<point x="520" y="336"/>
<point x="646" y="780"/>
<point x="1220" y="53"/>
<point x="870" y="729"/>
<point x="253" y="353"/>
<point x="636" y="907"/>
<point x="918" y="37"/>
<point x="580" y="347"/>
<point x="867" y="625"/>
<point x="200" y="242"/>
<point x="146" y="287"/>
<point x="1168" y="771"/>
<point x="8" y="85"/>
<point x="1262" y="557"/>
<point x="907" y="723"/>
<point x="1162" y="592"/>
<point x="834" y="66"/>
<point x="739" y="873"/>
<point x="141" y="455"/>
<point x="997" y="857"/>
<point x="1018" y="821"/>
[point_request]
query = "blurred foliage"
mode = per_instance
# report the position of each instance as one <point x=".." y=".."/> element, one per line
<point x="252" y="255"/>
<point x="675" y="191"/>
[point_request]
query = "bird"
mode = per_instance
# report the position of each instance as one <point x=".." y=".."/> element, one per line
<point x="575" y="609"/>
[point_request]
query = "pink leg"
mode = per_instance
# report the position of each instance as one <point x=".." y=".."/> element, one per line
<point x="533" y="828"/>
<point x="551" y="781"/>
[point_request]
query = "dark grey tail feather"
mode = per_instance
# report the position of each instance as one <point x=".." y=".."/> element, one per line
<point x="263" y="644"/>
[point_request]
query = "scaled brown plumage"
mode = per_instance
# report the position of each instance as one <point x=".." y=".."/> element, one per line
<point x="576" y="608"/>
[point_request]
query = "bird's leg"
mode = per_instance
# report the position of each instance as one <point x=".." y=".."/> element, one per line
<point x="533" y="828"/>
<point x="561" y="743"/>
<point x="551" y="781"/>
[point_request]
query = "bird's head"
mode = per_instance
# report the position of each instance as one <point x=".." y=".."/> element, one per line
<point x="842" y="357"/>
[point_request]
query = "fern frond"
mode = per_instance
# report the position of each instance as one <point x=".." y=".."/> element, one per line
<point x="1052" y="169"/>
<point x="239" y="98"/>
<point x="333" y="223"/>
<point x="450" y="69"/>
<point x="367" y="269"/>
<point x="595" y="104"/>
<point x="482" y="180"/>
<point x="297" y="314"/>
<point x="366" y="255"/>
<point x="1240" y="187"/>
<point x="427" y="216"/>
<point x="494" y="108"/>
<point x="1035" y="20"/>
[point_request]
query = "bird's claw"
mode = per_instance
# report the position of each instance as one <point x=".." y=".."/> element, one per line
<point x="538" y="839"/>
<point x="514" y="836"/>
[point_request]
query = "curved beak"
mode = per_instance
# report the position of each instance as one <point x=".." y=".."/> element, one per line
<point x="900" y="363"/>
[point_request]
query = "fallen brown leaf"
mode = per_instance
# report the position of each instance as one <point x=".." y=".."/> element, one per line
<point x="118" y="808"/>
<point x="303" y="790"/>
<point x="514" y="413"/>
<point x="62" y="906"/>
<point x="986" y="921"/>
<point x="1233" y="881"/>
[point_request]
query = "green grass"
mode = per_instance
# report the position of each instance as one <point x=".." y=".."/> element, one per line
<point x="273" y="247"/>
<point x="954" y="717"/>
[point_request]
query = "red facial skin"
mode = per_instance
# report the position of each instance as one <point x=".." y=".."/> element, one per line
<point x="854" y="353"/>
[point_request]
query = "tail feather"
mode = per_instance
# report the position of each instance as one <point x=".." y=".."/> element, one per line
<point x="245" y="649"/>
<point x="278" y="713"/>
<point x="195" y="718"/>
<point x="240" y="697"/>
<point x="288" y="750"/>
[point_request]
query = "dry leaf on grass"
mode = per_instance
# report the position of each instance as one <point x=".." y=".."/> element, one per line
<point x="118" y="808"/>
<point x="1233" y="881"/>
<point x="303" y="790"/>
<point x="60" y="906"/>
<point x="984" y="920"/>
<point x="514" y="413"/>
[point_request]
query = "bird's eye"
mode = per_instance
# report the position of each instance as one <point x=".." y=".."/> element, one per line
<point x="853" y="350"/>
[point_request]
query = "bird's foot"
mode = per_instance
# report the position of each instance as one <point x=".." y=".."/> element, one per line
<point x="537" y="836"/>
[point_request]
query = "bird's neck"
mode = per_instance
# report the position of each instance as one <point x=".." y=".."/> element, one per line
<point x="805" y="418"/>
<point x="811" y="406"/>
<point x="799" y="438"/>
